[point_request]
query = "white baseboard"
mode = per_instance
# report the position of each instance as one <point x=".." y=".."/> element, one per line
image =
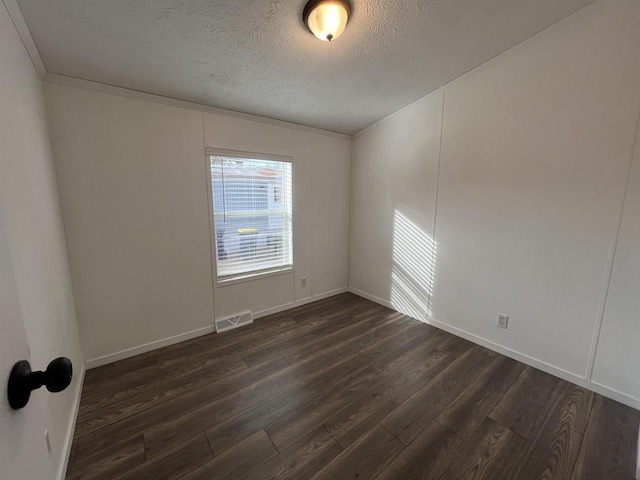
<point x="531" y="361"/>
<point x="540" y="365"/>
<point x="62" y="471"/>
<point x="148" y="347"/>
<point x="638" y="459"/>
<point x="300" y="302"/>
<point x="373" y="298"/>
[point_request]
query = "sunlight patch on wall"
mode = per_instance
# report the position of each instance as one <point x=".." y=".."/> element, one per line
<point x="413" y="271"/>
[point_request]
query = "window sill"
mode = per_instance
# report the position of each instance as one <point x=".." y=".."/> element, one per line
<point x="248" y="277"/>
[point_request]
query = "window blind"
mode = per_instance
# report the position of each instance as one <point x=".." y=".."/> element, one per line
<point x="252" y="212"/>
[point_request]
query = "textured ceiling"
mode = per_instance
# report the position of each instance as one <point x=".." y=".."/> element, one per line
<point x="256" y="56"/>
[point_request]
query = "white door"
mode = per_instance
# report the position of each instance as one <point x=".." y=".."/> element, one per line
<point x="23" y="449"/>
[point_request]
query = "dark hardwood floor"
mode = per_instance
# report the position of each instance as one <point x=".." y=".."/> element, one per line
<point x="343" y="389"/>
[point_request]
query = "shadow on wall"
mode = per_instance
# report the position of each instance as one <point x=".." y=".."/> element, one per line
<point x="413" y="270"/>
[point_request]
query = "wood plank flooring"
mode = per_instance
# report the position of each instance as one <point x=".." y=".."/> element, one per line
<point x="343" y="389"/>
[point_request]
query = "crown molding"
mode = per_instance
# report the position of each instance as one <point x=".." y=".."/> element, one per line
<point x="25" y="34"/>
<point x="151" y="97"/>
<point x="501" y="57"/>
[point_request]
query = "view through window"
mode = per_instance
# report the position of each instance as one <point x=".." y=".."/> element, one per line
<point x="252" y="212"/>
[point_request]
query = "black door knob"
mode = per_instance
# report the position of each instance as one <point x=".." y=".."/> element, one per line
<point x="22" y="381"/>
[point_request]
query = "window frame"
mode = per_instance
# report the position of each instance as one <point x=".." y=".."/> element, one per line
<point x="254" y="274"/>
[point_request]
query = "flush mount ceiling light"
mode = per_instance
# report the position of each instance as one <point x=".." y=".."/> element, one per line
<point x="326" y="18"/>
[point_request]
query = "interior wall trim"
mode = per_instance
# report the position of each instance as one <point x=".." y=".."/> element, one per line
<point x="550" y="30"/>
<point x="526" y="359"/>
<point x="638" y="457"/>
<point x="66" y="450"/>
<point x="299" y="303"/>
<point x="148" y="347"/>
<point x="25" y="35"/>
<point x="27" y="39"/>
<point x="597" y="330"/>
<point x="151" y="97"/>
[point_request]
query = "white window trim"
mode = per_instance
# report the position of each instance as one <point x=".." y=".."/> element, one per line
<point x="221" y="152"/>
<point x="250" y="276"/>
<point x="219" y="282"/>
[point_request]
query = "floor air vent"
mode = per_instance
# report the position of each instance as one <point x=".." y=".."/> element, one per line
<point x="235" y="321"/>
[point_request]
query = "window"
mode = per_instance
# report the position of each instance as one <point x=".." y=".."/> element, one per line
<point x="252" y="214"/>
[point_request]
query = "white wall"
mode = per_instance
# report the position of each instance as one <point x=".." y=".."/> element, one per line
<point x="618" y="353"/>
<point x="535" y="152"/>
<point x="132" y="176"/>
<point x="330" y="190"/>
<point x="395" y="173"/>
<point x="31" y="211"/>
<point x="321" y="177"/>
<point x="132" y="180"/>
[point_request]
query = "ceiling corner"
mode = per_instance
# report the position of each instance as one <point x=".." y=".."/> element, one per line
<point x="25" y="34"/>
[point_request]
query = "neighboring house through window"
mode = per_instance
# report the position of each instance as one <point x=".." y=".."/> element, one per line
<point x="252" y="215"/>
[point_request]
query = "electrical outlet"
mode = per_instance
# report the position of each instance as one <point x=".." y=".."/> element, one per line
<point x="503" y="320"/>
<point x="47" y="441"/>
<point x="303" y="282"/>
